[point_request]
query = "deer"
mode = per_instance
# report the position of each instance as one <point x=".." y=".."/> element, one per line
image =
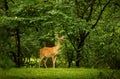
<point x="47" y="52"/>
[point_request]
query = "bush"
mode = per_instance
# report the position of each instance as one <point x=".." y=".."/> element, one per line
<point x="6" y="62"/>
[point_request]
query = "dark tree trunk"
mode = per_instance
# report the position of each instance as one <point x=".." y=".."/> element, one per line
<point x="78" y="59"/>
<point x="5" y="5"/>
<point x="17" y="37"/>
<point x="13" y="57"/>
<point x="70" y="58"/>
<point x="80" y="40"/>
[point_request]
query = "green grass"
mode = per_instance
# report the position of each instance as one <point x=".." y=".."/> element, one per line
<point x="58" y="73"/>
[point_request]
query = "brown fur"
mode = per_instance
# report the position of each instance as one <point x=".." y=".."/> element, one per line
<point x="47" y="52"/>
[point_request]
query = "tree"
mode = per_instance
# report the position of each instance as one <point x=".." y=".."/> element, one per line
<point x="30" y="25"/>
<point x="85" y="16"/>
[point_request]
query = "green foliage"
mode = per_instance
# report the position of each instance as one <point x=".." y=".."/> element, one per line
<point x="40" y="21"/>
<point x="6" y="62"/>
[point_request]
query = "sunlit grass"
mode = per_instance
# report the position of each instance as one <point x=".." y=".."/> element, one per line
<point x="50" y="73"/>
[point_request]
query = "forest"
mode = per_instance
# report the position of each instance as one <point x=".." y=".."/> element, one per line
<point x="91" y="30"/>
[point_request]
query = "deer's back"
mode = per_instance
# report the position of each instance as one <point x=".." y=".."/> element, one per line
<point x="47" y="51"/>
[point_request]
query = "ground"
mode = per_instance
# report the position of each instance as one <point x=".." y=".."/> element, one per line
<point x="58" y="73"/>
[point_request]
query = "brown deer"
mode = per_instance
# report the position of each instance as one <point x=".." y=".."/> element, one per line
<point x="47" y="52"/>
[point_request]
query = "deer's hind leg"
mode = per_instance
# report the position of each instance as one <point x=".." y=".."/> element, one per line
<point x="41" y="58"/>
<point x="45" y="62"/>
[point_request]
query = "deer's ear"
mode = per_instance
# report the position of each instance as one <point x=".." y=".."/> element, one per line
<point x="62" y="37"/>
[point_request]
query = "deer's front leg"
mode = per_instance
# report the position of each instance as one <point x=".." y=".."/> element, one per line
<point x="53" y="60"/>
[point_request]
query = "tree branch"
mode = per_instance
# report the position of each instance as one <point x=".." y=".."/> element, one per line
<point x="91" y="10"/>
<point x="12" y="1"/>
<point x="70" y="38"/>
<point x="93" y="26"/>
<point x="6" y="5"/>
<point x="85" y="10"/>
<point x="77" y="8"/>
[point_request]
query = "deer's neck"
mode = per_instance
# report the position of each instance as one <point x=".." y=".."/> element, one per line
<point x="58" y="45"/>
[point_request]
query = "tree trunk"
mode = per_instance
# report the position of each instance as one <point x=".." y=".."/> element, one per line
<point x="80" y="40"/>
<point x="78" y="59"/>
<point x="17" y="37"/>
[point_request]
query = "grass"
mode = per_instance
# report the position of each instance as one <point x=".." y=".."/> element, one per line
<point x="58" y="73"/>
